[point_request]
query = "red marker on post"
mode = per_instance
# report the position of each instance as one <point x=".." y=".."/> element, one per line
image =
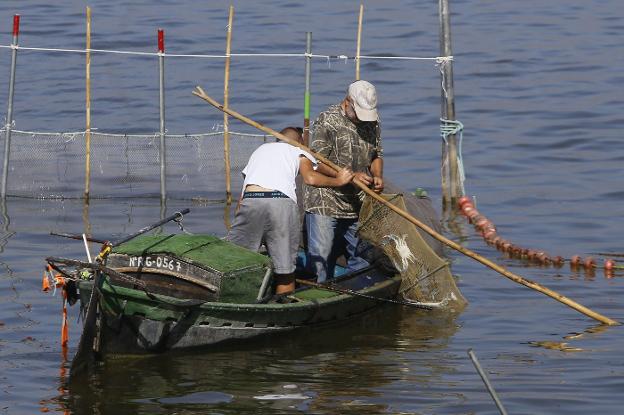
<point x="16" y="19"/>
<point x="161" y="41"/>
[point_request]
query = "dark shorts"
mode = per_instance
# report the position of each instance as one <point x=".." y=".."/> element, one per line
<point x="274" y="221"/>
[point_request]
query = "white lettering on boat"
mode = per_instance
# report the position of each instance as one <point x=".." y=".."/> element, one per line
<point x="161" y="262"/>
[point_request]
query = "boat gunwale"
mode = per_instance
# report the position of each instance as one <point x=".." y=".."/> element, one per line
<point x="172" y="302"/>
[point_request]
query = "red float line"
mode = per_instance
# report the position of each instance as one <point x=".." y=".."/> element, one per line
<point x="488" y="231"/>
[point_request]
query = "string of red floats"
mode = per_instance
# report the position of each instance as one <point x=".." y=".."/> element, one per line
<point x="488" y="231"/>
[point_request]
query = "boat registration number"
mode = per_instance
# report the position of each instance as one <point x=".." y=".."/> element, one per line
<point x="159" y="261"/>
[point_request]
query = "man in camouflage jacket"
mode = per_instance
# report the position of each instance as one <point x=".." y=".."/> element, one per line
<point x="349" y="135"/>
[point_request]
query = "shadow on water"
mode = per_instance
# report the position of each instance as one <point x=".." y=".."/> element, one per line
<point x="302" y="371"/>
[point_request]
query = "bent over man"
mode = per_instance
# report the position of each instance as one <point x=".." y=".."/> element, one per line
<point x="268" y="206"/>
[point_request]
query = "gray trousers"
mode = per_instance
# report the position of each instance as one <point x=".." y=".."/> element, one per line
<point x="272" y="221"/>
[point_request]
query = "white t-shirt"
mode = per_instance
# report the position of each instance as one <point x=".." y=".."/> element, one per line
<point x="275" y="166"/>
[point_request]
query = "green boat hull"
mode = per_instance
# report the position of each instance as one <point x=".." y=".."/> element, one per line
<point x="133" y="321"/>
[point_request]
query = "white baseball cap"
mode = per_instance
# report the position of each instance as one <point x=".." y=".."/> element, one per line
<point x="364" y="98"/>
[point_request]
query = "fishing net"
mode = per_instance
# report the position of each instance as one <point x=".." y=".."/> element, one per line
<point x="426" y="276"/>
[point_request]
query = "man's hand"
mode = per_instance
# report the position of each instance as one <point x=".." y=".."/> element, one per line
<point x="344" y="176"/>
<point x="378" y="184"/>
<point x="364" y="178"/>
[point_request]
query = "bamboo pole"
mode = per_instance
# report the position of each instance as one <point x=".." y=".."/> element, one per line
<point x="359" y="43"/>
<point x="508" y="274"/>
<point x="9" y="118"/>
<point x="451" y="187"/>
<point x="306" y="98"/>
<point x="226" y="102"/>
<point x="88" y="109"/>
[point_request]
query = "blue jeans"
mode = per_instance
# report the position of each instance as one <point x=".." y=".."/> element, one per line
<point x="328" y="238"/>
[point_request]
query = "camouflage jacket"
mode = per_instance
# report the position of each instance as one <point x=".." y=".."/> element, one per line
<point x="348" y="145"/>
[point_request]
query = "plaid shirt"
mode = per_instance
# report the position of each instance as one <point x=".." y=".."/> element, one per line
<point x="347" y="144"/>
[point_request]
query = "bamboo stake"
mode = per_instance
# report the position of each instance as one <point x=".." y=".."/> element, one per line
<point x="508" y="274"/>
<point x="226" y="101"/>
<point x="88" y="109"/>
<point x="359" y="43"/>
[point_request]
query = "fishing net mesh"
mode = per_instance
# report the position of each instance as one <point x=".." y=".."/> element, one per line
<point x="52" y="165"/>
<point x="426" y="277"/>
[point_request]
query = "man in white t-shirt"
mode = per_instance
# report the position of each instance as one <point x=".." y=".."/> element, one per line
<point x="268" y="206"/>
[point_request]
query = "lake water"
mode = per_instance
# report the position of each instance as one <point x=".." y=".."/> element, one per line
<point x="540" y="90"/>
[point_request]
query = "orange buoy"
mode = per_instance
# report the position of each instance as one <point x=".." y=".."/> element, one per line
<point x="558" y="261"/>
<point x="589" y="262"/>
<point x="467" y="210"/>
<point x="609" y="264"/>
<point x="482" y="222"/>
<point x="463" y="200"/>
<point x="575" y="261"/>
<point x="489" y="234"/>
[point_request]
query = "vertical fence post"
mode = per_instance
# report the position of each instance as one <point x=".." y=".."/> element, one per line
<point x="163" y="152"/>
<point x="88" y="110"/>
<point x="226" y="100"/>
<point x="451" y="187"/>
<point x="9" y="118"/>
<point x="306" y="97"/>
<point x="359" y="43"/>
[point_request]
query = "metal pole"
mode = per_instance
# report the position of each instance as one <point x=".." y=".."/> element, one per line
<point x="451" y="189"/>
<point x="306" y="98"/>
<point x="487" y="383"/>
<point x="88" y="110"/>
<point x="9" y="119"/>
<point x="163" y="152"/>
<point x="359" y="43"/>
<point x="226" y="101"/>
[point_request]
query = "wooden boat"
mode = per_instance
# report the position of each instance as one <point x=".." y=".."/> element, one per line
<point x="181" y="291"/>
<point x="164" y="292"/>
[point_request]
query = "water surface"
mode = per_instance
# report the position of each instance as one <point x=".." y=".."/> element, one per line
<point x="539" y="87"/>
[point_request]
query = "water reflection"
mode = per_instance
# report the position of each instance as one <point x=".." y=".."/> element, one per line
<point x="302" y="371"/>
<point x="564" y="346"/>
<point x="5" y="233"/>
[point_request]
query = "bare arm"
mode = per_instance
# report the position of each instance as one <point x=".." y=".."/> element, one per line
<point x="326" y="170"/>
<point x="316" y="179"/>
<point x="376" y="169"/>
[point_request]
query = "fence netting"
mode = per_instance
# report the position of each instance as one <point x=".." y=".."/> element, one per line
<point x="52" y="165"/>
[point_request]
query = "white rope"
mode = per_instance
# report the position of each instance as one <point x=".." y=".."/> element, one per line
<point x="438" y="59"/>
<point x="72" y="135"/>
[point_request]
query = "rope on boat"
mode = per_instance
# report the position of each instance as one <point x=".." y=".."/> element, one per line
<point x="424" y="306"/>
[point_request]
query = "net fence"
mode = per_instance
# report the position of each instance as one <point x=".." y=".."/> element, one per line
<point x="426" y="277"/>
<point x="52" y="165"/>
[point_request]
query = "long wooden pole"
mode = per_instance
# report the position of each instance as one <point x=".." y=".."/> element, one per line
<point x="451" y="186"/>
<point x="226" y="102"/>
<point x="516" y="278"/>
<point x="359" y="43"/>
<point x="88" y="110"/>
